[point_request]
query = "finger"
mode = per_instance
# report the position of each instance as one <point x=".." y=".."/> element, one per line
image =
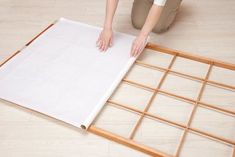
<point x="140" y="49"/>
<point x="137" y="50"/>
<point x="134" y="50"/>
<point x="101" y="45"/>
<point x="97" y="42"/>
<point x="111" y="42"/>
<point x="106" y="46"/>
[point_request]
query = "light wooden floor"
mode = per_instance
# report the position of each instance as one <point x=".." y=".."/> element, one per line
<point x="201" y="27"/>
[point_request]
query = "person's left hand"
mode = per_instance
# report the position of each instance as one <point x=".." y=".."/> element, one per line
<point x="138" y="45"/>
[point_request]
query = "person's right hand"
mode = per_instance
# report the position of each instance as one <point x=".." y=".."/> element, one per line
<point x="105" y="39"/>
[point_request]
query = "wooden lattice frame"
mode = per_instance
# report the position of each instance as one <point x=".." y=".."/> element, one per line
<point x="187" y="128"/>
<point x="131" y="143"/>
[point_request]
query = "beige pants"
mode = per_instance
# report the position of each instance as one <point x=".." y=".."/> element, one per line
<point x="141" y="9"/>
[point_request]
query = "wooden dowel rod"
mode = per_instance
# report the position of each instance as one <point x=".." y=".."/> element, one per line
<point x="233" y="151"/>
<point x="13" y="55"/>
<point x="127" y="142"/>
<point x="39" y="34"/>
<point x="200" y="95"/>
<point x="177" y="96"/>
<point x="217" y="109"/>
<point x="154" y="67"/>
<point x="221" y="85"/>
<point x="218" y="138"/>
<point x="132" y="134"/>
<point x="138" y="85"/>
<point x="209" y="137"/>
<point x="181" y="142"/>
<point x="152" y="98"/>
<point x="17" y="52"/>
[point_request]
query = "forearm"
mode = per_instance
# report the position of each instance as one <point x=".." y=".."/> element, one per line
<point x="111" y="7"/>
<point x="151" y="20"/>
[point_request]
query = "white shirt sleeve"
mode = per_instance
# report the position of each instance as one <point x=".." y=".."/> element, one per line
<point x="160" y="2"/>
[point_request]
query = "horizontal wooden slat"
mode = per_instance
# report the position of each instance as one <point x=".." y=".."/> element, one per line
<point x="191" y="56"/>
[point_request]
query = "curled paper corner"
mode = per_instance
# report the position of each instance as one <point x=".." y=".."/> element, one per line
<point x="84" y="127"/>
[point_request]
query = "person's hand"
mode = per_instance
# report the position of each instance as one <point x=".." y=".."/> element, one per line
<point x="105" y="39"/>
<point x="138" y="45"/>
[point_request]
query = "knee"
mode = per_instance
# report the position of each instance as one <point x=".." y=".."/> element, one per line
<point x="136" y="22"/>
<point x="139" y="12"/>
<point x="136" y="18"/>
<point x="160" y="30"/>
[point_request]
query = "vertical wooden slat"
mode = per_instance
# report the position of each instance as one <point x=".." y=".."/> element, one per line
<point x="193" y="112"/>
<point x="233" y="155"/>
<point x="152" y="98"/>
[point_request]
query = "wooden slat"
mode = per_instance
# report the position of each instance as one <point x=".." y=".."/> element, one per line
<point x="233" y="151"/>
<point x="172" y="123"/>
<point x="193" y="112"/>
<point x="214" y="137"/>
<point x="17" y="52"/>
<point x="180" y="126"/>
<point x="189" y="100"/>
<point x="13" y="55"/>
<point x="127" y="142"/>
<point x="217" y="109"/>
<point x="191" y="56"/>
<point x="39" y="34"/>
<point x="152" y="98"/>
<point x="195" y="78"/>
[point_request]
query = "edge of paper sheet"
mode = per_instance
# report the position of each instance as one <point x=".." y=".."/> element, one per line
<point x="103" y="100"/>
<point x="109" y="93"/>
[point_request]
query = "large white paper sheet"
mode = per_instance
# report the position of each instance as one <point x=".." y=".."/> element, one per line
<point x="62" y="73"/>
